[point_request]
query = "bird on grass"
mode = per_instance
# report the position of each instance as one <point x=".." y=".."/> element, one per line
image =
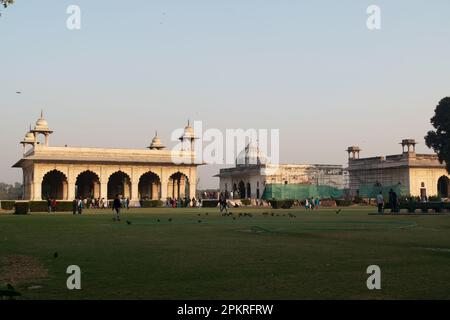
<point x="234" y="218"/>
<point x="206" y="213"/>
<point x="339" y="211"/>
<point x="158" y="220"/>
<point x="128" y="222"/>
<point x="199" y="221"/>
<point x="10" y="287"/>
<point x="55" y="255"/>
<point x="199" y="214"/>
<point x="170" y="219"/>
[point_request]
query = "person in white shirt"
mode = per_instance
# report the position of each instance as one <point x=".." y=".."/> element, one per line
<point x="380" y="202"/>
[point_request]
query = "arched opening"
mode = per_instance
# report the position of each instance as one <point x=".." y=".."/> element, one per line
<point x="87" y="185"/>
<point x="178" y="187"/>
<point x="249" y="190"/>
<point x="235" y="191"/>
<point x="119" y="184"/>
<point x="443" y="186"/>
<point x="54" y="186"/>
<point x="149" y="187"/>
<point x="242" y="190"/>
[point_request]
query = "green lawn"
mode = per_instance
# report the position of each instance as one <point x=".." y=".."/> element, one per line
<point x="318" y="254"/>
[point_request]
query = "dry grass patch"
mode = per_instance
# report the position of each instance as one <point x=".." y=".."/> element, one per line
<point x="18" y="269"/>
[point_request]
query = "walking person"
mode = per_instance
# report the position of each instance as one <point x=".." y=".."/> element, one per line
<point x="316" y="203"/>
<point x="393" y="200"/>
<point x="380" y="202"/>
<point x="49" y="205"/>
<point x="53" y="205"/>
<point x="80" y="206"/>
<point x="117" y="204"/>
<point x="75" y="206"/>
<point x="396" y="204"/>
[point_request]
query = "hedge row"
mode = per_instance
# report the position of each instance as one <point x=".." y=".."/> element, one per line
<point x="7" y="205"/>
<point x="22" y="208"/>
<point x="151" y="203"/>
<point x="41" y="206"/>
<point x="281" y="204"/>
<point x="344" y="203"/>
<point x="210" y="203"/>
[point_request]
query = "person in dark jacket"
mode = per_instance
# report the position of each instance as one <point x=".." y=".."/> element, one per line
<point x="49" y="205"/>
<point x="75" y="206"/>
<point x="117" y="204"/>
<point x="393" y="201"/>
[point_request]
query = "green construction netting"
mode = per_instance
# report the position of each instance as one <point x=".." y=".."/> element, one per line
<point x="300" y="192"/>
<point x="371" y="191"/>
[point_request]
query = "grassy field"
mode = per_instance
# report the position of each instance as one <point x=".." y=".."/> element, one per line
<point x="202" y="255"/>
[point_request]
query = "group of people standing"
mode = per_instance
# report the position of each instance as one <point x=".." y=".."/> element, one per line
<point x="312" y="203"/>
<point x="393" y="202"/>
<point x="51" y="205"/>
<point x="182" y="203"/>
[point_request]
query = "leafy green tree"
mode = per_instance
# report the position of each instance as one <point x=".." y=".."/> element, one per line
<point x="439" y="139"/>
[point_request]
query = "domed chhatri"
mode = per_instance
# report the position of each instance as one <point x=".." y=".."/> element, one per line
<point x="156" y="143"/>
<point x="251" y="155"/>
<point x="188" y="132"/>
<point x="28" y="140"/>
<point x="41" y="127"/>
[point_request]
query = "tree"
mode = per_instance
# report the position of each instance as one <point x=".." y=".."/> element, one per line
<point x="6" y="3"/>
<point x="439" y="140"/>
<point x="10" y="192"/>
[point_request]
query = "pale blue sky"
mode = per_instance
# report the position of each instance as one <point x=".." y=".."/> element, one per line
<point x="310" y="68"/>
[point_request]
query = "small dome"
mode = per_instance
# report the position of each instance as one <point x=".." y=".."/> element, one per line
<point x="156" y="143"/>
<point x="188" y="131"/>
<point x="29" y="138"/>
<point x="251" y="155"/>
<point x="42" y="125"/>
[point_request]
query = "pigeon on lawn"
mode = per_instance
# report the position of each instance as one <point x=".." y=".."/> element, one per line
<point x="339" y="211"/>
<point x="128" y="222"/>
<point x="170" y="219"/>
<point x="55" y="255"/>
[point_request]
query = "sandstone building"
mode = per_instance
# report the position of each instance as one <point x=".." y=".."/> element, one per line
<point x="252" y="173"/>
<point x="410" y="173"/>
<point x="64" y="173"/>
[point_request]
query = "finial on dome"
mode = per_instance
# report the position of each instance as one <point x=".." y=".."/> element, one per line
<point x="156" y="143"/>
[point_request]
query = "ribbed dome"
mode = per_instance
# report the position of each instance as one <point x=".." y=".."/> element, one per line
<point x="188" y="132"/>
<point x="29" y="137"/>
<point x="156" y="143"/>
<point x="42" y="125"/>
<point x="251" y="155"/>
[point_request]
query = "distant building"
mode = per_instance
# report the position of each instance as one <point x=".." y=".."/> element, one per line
<point x="64" y="173"/>
<point x="251" y="174"/>
<point x="409" y="172"/>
